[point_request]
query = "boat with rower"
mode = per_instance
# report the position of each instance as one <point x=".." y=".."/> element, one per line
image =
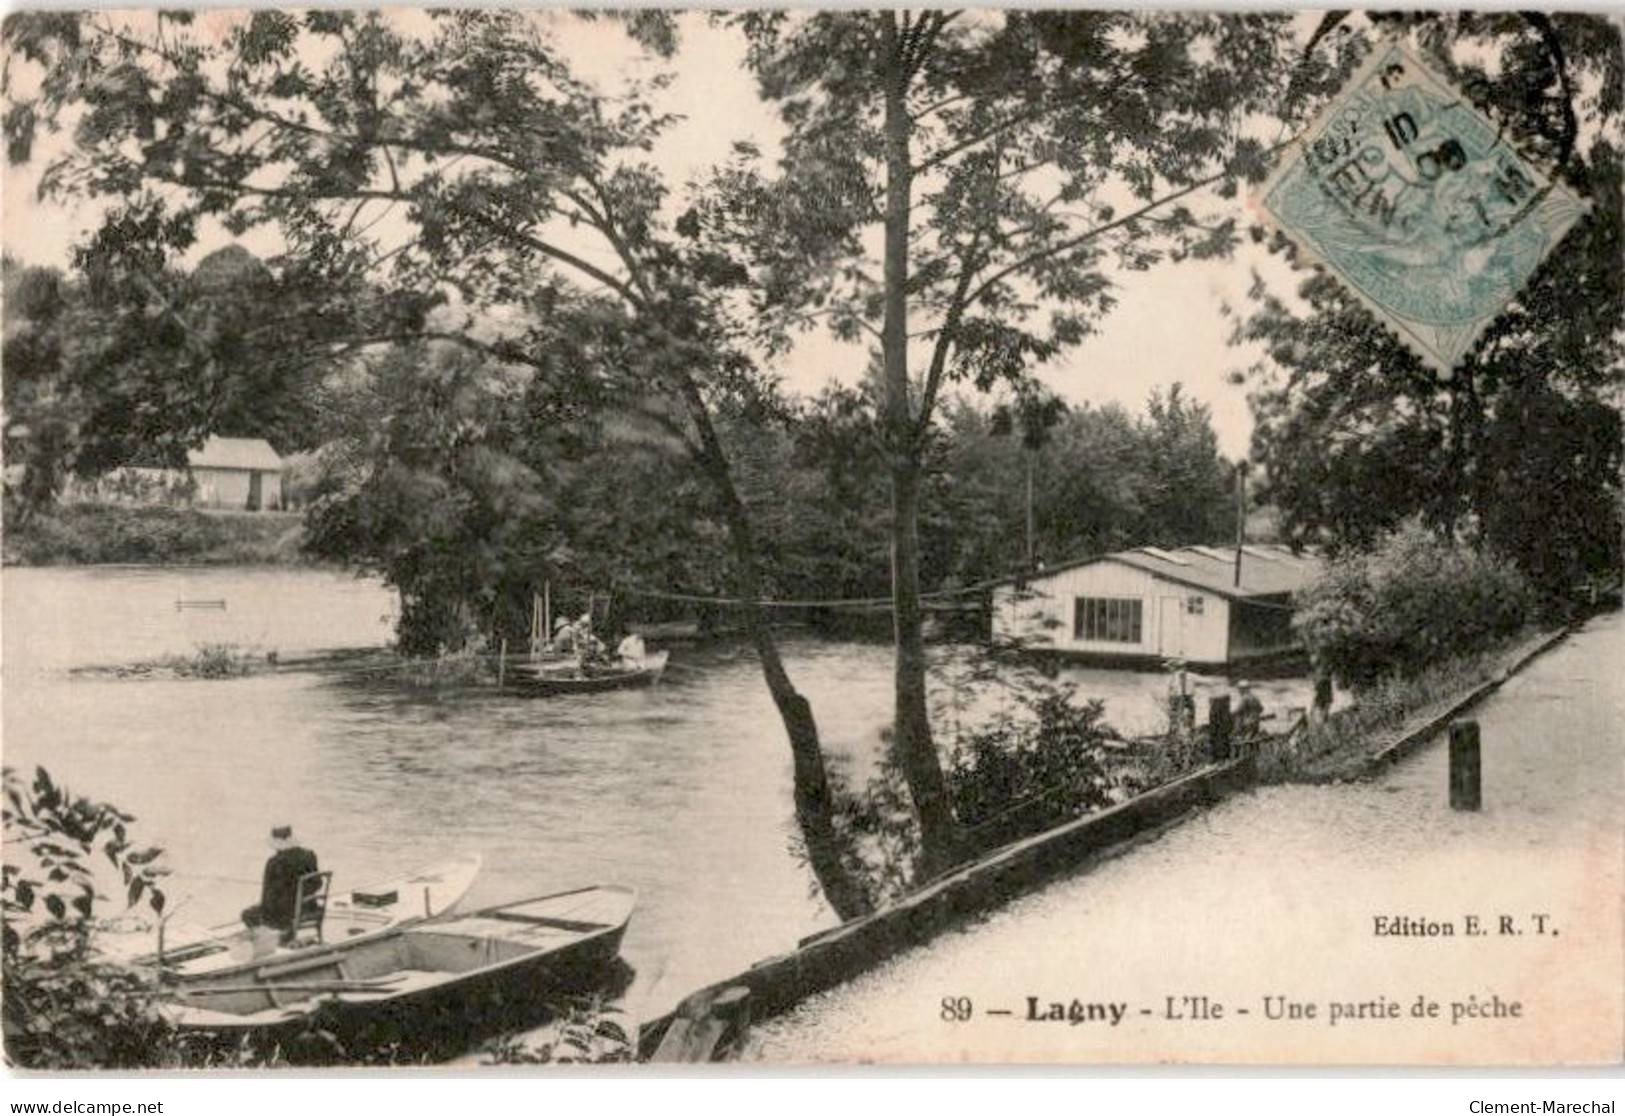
<point x="547" y="679"/>
<point x="441" y="972"/>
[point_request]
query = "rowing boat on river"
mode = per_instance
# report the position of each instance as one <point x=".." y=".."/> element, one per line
<point x="440" y="972"/>
<point x="547" y="680"/>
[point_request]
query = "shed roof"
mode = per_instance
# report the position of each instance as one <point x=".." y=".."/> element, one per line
<point x="235" y="453"/>
<point x="1267" y="570"/>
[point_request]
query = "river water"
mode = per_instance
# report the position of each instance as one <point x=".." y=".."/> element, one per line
<point x="683" y="790"/>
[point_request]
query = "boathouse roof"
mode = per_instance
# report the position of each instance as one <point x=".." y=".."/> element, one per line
<point x="235" y="453"/>
<point x="1267" y="570"/>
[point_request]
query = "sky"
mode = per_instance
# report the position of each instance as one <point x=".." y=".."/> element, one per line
<point x="1168" y="325"/>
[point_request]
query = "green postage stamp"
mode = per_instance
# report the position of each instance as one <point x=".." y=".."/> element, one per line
<point x="1412" y="197"/>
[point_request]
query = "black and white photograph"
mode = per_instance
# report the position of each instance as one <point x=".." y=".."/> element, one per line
<point x="605" y="541"/>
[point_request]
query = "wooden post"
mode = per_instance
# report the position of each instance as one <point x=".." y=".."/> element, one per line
<point x="1466" y="790"/>
<point x="1241" y="515"/>
<point x="502" y="663"/>
<point x="706" y="1026"/>
<point x="1219" y="728"/>
<point x="732" y="1007"/>
<point x="1031" y="548"/>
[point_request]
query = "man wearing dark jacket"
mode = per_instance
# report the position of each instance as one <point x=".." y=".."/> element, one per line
<point x="288" y="865"/>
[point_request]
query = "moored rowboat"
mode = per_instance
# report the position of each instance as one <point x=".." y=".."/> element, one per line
<point x="429" y="972"/>
<point x="357" y="913"/>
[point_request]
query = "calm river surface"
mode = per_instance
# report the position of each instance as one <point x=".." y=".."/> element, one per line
<point x="683" y="791"/>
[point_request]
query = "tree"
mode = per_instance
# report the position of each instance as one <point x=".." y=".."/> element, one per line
<point x="454" y="477"/>
<point x="1004" y="160"/>
<point x="1519" y="449"/>
<point x="1188" y="493"/>
<point x="424" y="481"/>
<point x="521" y="198"/>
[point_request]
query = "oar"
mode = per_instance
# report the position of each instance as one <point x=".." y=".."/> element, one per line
<point x="312" y="986"/>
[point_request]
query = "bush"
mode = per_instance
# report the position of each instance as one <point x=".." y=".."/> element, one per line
<point x="217" y="660"/>
<point x="84" y="534"/>
<point x="1343" y="743"/>
<point x="1045" y="764"/>
<point x="66" y="1007"/>
<point x="583" y="1031"/>
<point x="1411" y="601"/>
<point x="1036" y="761"/>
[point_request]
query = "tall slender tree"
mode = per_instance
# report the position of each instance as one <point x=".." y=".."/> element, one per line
<point x="958" y="185"/>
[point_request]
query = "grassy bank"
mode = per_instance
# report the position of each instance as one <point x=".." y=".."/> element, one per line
<point x="1344" y="745"/>
<point x="89" y="534"/>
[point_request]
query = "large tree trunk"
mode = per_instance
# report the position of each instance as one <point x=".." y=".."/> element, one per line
<point x="913" y="747"/>
<point x="814" y="804"/>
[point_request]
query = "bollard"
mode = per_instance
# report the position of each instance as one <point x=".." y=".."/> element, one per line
<point x="1218" y="728"/>
<point x="1466" y="791"/>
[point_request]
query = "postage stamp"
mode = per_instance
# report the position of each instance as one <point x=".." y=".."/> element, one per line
<point x="1413" y="198"/>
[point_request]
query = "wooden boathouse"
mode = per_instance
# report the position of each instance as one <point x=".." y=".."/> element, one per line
<point x="1145" y="606"/>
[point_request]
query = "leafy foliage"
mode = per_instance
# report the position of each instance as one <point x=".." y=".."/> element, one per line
<point x="75" y="533"/>
<point x="1023" y="753"/>
<point x="1411" y="601"/>
<point x="65" y="1006"/>
<point x="584" y="1032"/>
<point x="1341" y="745"/>
<point x="1045" y="763"/>
<point x="460" y="481"/>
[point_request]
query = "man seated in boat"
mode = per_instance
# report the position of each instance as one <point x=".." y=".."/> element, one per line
<point x="564" y="636"/>
<point x="588" y="648"/>
<point x="289" y="863"/>
<point x="631" y="652"/>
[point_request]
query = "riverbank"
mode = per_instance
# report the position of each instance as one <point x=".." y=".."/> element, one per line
<point x="1383" y="723"/>
<point x="104" y="534"/>
<point x="1199" y="938"/>
<point x="229" y="660"/>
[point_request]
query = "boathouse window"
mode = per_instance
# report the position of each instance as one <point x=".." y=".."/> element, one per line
<point x="1107" y="619"/>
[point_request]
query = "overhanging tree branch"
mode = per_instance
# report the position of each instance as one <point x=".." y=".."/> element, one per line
<point x="1067" y="245"/>
<point x="938" y="368"/>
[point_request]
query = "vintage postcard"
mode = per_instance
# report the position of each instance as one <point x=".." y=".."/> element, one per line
<point x="786" y="537"/>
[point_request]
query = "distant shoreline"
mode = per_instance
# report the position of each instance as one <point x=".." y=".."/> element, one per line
<point x="154" y="535"/>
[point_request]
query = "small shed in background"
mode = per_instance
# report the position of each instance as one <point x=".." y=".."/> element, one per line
<point x="1144" y="606"/>
<point x="243" y="473"/>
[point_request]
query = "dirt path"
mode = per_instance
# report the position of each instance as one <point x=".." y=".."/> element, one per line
<point x="1272" y="899"/>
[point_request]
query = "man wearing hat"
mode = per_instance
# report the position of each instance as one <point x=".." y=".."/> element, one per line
<point x="288" y="865"/>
